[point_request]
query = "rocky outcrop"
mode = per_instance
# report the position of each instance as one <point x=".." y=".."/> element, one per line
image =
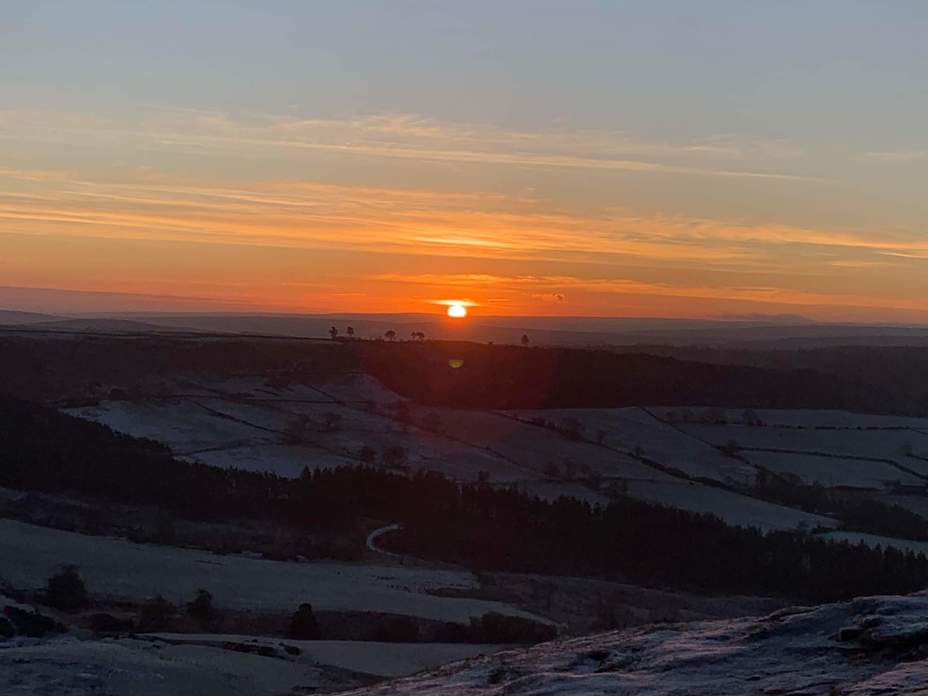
<point x="871" y="645"/>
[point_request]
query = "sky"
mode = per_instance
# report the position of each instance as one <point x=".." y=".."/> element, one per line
<point x="666" y="159"/>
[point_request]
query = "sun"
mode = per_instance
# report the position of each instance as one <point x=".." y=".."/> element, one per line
<point x="457" y="311"/>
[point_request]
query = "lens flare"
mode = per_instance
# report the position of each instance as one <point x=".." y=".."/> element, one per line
<point x="457" y="311"/>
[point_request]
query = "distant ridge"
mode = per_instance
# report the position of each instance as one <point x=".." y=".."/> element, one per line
<point x="12" y="317"/>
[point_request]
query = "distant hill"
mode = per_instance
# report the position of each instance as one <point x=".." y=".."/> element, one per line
<point x="776" y="332"/>
<point x="105" y="326"/>
<point x="11" y="317"/>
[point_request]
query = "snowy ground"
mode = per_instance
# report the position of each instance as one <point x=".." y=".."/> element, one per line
<point x="794" y="651"/>
<point x="30" y="554"/>
<point x="242" y="423"/>
<point x="186" y="665"/>
<point x="626" y="429"/>
<point x="368" y="657"/>
<point x="733" y="508"/>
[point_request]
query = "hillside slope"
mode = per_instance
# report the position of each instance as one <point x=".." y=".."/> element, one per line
<point x="871" y="645"/>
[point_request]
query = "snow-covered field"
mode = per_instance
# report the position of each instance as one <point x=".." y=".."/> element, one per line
<point x="626" y="429"/>
<point x="799" y="418"/>
<point x="191" y="665"/>
<point x="793" y="651"/>
<point x="738" y="510"/>
<point x="368" y="657"/>
<point x="831" y="471"/>
<point x="30" y="554"/>
<point x="243" y="423"/>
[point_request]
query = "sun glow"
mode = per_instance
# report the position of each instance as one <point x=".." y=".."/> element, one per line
<point x="457" y="311"/>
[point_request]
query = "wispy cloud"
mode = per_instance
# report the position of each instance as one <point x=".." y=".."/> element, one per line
<point x="556" y="289"/>
<point x="414" y="137"/>
<point x="310" y="215"/>
<point x="915" y="155"/>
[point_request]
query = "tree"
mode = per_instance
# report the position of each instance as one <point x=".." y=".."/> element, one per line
<point x="350" y="331"/>
<point x="524" y="339"/>
<point x="390" y="335"/>
<point x="66" y="591"/>
<point x="333" y="332"/>
<point x="201" y="608"/>
<point x="156" y="615"/>
<point x="303" y="624"/>
<point x="368" y="455"/>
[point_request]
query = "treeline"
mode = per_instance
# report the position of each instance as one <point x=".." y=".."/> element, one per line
<point x="653" y="546"/>
<point x="857" y="513"/>
<point x="473" y="525"/>
<point x="470" y="375"/>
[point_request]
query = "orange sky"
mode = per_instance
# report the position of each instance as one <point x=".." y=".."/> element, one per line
<point x="191" y="186"/>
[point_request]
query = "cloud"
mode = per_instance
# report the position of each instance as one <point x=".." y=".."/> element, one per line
<point x="529" y="285"/>
<point x="416" y="221"/>
<point x="417" y="138"/>
<point x="917" y="155"/>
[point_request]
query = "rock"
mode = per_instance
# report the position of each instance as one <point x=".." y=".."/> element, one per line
<point x="32" y="624"/>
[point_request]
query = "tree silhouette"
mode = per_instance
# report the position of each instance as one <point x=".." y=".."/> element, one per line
<point x="524" y="339"/>
<point x="390" y="335"/>
<point x="333" y="332"/>
<point x="418" y="335"/>
<point x="350" y="331"/>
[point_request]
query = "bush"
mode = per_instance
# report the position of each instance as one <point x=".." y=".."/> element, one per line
<point x="201" y="608"/>
<point x="397" y="629"/>
<point x="156" y="615"/>
<point x="66" y="590"/>
<point x="497" y="628"/>
<point x="303" y="625"/>
<point x="107" y="624"/>
<point x="31" y="624"/>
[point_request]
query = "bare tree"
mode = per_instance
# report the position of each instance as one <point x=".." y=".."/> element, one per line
<point x="333" y="332"/>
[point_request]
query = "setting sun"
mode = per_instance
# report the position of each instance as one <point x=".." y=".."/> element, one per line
<point x="457" y="311"/>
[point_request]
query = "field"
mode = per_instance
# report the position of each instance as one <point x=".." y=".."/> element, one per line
<point x="121" y="569"/>
<point x="248" y="423"/>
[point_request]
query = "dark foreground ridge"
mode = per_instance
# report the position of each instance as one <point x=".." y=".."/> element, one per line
<point x="871" y="645"/>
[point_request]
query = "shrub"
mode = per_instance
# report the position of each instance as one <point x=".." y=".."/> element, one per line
<point x="66" y="590"/>
<point x="303" y="625"/>
<point x="31" y="624"/>
<point x="397" y="629"/>
<point x="107" y="624"/>
<point x="498" y="628"/>
<point x="201" y="608"/>
<point x="156" y="615"/>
